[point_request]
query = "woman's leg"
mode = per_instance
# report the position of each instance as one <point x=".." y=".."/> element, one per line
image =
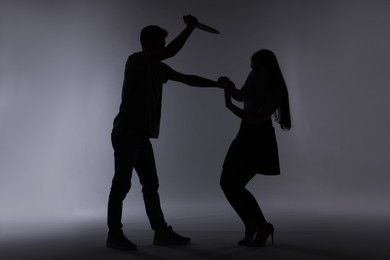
<point x="233" y="182"/>
<point x="231" y="195"/>
<point x="237" y="172"/>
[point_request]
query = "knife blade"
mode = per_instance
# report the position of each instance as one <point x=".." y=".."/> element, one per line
<point x="206" y="28"/>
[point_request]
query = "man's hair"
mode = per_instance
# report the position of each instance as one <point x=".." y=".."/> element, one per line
<point x="151" y="34"/>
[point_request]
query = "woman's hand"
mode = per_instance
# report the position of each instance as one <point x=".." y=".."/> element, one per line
<point x="228" y="87"/>
<point x="227" y="83"/>
<point x="228" y="98"/>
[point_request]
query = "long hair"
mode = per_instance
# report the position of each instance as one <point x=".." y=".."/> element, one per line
<point x="282" y="113"/>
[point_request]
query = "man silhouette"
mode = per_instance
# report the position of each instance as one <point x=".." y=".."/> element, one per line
<point x="137" y="121"/>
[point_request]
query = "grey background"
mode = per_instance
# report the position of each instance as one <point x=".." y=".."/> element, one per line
<point x="61" y="71"/>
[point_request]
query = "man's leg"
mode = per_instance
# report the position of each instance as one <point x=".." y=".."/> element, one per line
<point x="146" y="169"/>
<point x="125" y="152"/>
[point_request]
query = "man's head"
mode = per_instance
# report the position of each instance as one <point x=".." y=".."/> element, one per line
<point x="153" y="38"/>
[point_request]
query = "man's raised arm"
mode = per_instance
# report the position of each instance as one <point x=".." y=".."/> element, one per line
<point x="176" y="44"/>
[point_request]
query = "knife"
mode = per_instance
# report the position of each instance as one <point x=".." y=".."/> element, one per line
<point x="206" y="28"/>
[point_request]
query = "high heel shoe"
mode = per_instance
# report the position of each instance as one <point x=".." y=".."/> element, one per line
<point x="263" y="232"/>
<point x="250" y="231"/>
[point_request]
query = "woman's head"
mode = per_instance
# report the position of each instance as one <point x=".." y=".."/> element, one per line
<point x="265" y="61"/>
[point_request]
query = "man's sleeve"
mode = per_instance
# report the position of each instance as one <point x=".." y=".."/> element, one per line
<point x="166" y="71"/>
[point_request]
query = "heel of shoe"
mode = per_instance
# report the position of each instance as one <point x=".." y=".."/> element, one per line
<point x="272" y="230"/>
<point x="250" y="231"/>
<point x="263" y="232"/>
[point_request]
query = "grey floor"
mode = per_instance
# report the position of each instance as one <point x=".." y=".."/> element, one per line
<point x="298" y="235"/>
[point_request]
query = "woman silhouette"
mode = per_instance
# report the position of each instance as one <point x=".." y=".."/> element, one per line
<point x="254" y="150"/>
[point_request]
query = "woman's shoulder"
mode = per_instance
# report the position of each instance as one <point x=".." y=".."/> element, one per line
<point x="257" y="77"/>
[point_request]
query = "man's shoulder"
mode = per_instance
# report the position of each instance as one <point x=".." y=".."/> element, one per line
<point x="140" y="60"/>
<point x="137" y="59"/>
<point x="136" y="56"/>
<point x="142" y="57"/>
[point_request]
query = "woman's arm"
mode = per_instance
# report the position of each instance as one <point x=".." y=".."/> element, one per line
<point x="265" y="112"/>
<point x="244" y="115"/>
<point x="237" y="94"/>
